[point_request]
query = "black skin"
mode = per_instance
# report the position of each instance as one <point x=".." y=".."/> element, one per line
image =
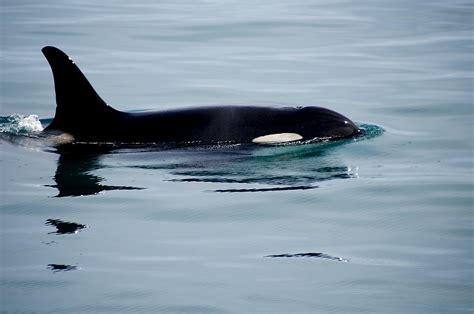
<point x="83" y="114"/>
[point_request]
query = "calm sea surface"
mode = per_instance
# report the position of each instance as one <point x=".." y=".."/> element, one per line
<point x="383" y="224"/>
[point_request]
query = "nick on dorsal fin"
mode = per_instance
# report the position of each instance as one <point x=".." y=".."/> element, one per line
<point x="76" y="100"/>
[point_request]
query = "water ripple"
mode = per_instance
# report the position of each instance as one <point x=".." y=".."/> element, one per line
<point x="310" y="255"/>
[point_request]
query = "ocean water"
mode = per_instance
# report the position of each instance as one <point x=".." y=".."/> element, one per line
<point x="381" y="224"/>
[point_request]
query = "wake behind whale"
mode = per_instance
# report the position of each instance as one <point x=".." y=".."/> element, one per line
<point x="83" y="117"/>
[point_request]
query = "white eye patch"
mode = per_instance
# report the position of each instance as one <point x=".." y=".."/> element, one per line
<point x="277" y="138"/>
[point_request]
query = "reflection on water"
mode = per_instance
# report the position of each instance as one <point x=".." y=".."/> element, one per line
<point x="271" y="168"/>
<point x="244" y="168"/>
<point x="287" y="188"/>
<point x="268" y="169"/>
<point x="64" y="227"/>
<point x="74" y="174"/>
<point x="61" y="267"/>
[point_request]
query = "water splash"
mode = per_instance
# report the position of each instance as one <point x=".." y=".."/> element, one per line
<point x="370" y="131"/>
<point x="18" y="124"/>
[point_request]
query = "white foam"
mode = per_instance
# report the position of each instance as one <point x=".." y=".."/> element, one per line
<point x="30" y="124"/>
<point x="20" y="125"/>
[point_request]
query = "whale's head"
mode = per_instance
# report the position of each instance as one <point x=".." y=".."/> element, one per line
<point x="330" y="124"/>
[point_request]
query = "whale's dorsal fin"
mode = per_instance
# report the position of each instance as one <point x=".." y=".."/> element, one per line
<point x="76" y="99"/>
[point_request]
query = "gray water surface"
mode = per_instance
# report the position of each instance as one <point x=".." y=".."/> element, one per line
<point x="383" y="224"/>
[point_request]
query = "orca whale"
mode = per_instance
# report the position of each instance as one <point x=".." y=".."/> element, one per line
<point x="82" y="116"/>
